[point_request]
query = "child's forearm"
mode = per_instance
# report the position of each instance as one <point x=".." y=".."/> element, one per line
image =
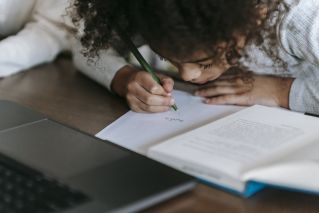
<point x="284" y="86"/>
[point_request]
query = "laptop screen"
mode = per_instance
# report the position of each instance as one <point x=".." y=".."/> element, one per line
<point x="57" y="150"/>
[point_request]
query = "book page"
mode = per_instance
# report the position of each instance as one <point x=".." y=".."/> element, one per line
<point x="299" y="175"/>
<point x="238" y="141"/>
<point x="138" y="131"/>
<point x="298" y="170"/>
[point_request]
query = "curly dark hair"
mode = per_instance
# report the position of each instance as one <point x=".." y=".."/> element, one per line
<point x="178" y="26"/>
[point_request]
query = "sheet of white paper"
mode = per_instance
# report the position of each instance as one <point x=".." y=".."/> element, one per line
<point x="138" y="131"/>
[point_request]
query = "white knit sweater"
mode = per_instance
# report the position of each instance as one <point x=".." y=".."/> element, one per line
<point x="32" y="33"/>
<point x="298" y="36"/>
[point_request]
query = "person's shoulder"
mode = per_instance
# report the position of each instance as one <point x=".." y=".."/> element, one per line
<point x="296" y="31"/>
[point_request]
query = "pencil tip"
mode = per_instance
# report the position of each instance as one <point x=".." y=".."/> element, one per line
<point x="174" y="107"/>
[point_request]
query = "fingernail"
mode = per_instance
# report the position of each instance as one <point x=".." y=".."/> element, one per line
<point x="172" y="102"/>
<point x="153" y="89"/>
<point x="169" y="94"/>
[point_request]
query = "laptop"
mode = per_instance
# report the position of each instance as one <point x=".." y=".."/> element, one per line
<point x="48" y="167"/>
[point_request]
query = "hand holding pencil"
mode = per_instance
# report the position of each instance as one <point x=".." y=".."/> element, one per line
<point x="144" y="91"/>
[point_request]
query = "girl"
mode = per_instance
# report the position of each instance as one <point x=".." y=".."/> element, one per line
<point x="277" y="40"/>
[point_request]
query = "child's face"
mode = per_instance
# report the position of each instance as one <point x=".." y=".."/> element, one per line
<point x="200" y="67"/>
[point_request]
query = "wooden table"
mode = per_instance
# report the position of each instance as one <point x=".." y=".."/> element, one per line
<point x="60" y="92"/>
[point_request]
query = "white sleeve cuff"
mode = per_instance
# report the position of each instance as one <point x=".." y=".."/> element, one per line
<point x="304" y="95"/>
<point x="102" y="68"/>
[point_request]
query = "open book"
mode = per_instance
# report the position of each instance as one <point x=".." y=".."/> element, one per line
<point x="246" y="151"/>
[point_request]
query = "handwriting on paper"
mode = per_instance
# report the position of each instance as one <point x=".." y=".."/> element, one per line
<point x="174" y="119"/>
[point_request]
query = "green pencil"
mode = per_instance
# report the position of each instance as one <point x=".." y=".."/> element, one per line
<point x="139" y="57"/>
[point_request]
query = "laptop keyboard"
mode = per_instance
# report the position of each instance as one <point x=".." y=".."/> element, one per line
<point x="23" y="190"/>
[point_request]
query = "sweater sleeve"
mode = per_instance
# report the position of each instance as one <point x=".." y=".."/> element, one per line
<point x="299" y="35"/>
<point x="41" y="39"/>
<point x="304" y="92"/>
<point x="102" y="68"/>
